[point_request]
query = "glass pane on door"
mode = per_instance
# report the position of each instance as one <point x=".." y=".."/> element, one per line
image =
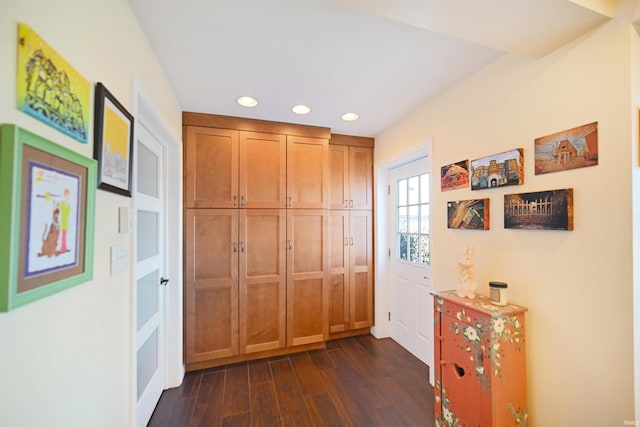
<point x="147" y="297"/>
<point x="147" y="362"/>
<point x="147" y="234"/>
<point x="147" y="171"/>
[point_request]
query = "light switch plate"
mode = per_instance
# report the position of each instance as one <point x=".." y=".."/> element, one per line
<point x="119" y="259"/>
<point x="127" y="220"/>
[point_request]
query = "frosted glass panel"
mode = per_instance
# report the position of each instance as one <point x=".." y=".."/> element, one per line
<point x="147" y="234"/>
<point x="147" y="297"/>
<point x="147" y="360"/>
<point x="147" y="171"/>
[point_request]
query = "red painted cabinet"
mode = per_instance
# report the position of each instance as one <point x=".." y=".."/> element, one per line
<point x="480" y="364"/>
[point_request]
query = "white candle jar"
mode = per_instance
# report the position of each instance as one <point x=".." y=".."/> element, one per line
<point x="498" y="293"/>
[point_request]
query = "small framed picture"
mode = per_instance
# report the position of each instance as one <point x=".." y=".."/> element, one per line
<point x="47" y="207"/>
<point x="113" y="145"/>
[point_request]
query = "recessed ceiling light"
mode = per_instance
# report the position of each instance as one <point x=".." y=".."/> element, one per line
<point x="301" y="109"/>
<point x="349" y="117"/>
<point x="247" y="101"/>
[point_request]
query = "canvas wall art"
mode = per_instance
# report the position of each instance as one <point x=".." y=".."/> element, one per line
<point x="455" y="175"/>
<point x="498" y="170"/>
<point x="47" y="200"/>
<point x="569" y="149"/>
<point x="50" y="89"/>
<point x="541" y="210"/>
<point x="468" y="214"/>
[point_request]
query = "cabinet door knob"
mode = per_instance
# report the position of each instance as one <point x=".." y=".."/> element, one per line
<point x="346" y="241"/>
<point x="351" y="204"/>
<point x="290" y="201"/>
<point x="351" y="240"/>
<point x="241" y="246"/>
<point x="346" y="203"/>
<point x="242" y="201"/>
<point x="235" y="201"/>
<point x="235" y="247"/>
<point x="290" y="244"/>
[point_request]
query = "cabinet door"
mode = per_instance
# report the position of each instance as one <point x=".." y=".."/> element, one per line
<point x="262" y="279"/>
<point x="263" y="170"/>
<point x="361" y="269"/>
<point x="210" y="168"/>
<point x="360" y="178"/>
<point x="338" y="177"/>
<point x="211" y="284"/>
<point x="307" y="172"/>
<point x="307" y="276"/>
<point x="339" y="292"/>
<point x="461" y="391"/>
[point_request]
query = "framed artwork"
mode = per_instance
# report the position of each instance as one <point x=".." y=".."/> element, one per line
<point x="569" y="149"/>
<point x="542" y="210"/>
<point x="455" y="175"/>
<point x="468" y="214"/>
<point x="113" y="143"/>
<point x="47" y="206"/>
<point x="498" y="170"/>
<point x="50" y="89"/>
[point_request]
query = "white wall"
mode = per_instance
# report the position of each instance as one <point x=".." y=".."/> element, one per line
<point x="65" y="360"/>
<point x="577" y="284"/>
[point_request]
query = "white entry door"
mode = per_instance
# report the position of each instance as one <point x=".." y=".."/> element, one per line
<point x="410" y="270"/>
<point x="149" y="275"/>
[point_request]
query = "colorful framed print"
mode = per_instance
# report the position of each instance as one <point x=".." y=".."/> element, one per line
<point x="50" y="89"/>
<point x="113" y="143"/>
<point x="498" y="170"/>
<point x="541" y="210"/>
<point x="47" y="207"/>
<point x="455" y="175"/>
<point x="468" y="214"/>
<point x="570" y="149"/>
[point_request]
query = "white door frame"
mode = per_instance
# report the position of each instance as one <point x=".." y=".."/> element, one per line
<point x="382" y="223"/>
<point x="147" y="115"/>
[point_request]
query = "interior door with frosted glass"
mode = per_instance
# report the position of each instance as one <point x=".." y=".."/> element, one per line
<point x="149" y="278"/>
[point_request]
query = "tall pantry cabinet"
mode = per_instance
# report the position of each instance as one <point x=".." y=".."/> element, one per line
<point x="257" y="240"/>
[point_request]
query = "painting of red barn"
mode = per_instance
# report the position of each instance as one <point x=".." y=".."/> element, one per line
<point x="542" y="210"/>
<point x="455" y="175"/>
<point x="569" y="149"/>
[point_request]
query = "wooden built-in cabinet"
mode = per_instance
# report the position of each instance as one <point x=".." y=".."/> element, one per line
<point x="236" y="271"/>
<point x="307" y="276"/>
<point x="257" y="238"/>
<point x="351" y="171"/>
<point x="351" y="270"/>
<point x="234" y="169"/>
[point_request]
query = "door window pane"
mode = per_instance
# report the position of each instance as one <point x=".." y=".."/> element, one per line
<point x="147" y="235"/>
<point x="413" y="216"/>
<point x="147" y="298"/>
<point x="147" y="171"/>
<point x="147" y="362"/>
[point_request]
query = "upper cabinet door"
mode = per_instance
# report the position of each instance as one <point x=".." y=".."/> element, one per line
<point x="307" y="172"/>
<point x="263" y="170"/>
<point x="211" y="168"/>
<point x="360" y="178"/>
<point x="339" y="177"/>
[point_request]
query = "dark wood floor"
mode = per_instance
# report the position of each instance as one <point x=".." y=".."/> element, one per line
<point x="359" y="381"/>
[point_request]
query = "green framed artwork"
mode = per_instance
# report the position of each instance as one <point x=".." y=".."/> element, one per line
<point x="47" y="209"/>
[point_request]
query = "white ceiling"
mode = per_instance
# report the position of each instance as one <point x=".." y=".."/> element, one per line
<point x="379" y="58"/>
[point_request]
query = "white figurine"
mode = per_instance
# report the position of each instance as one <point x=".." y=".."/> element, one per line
<point x="467" y="284"/>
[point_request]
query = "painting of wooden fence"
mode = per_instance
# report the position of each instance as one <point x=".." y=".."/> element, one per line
<point x="468" y="214"/>
<point x="542" y="210"/>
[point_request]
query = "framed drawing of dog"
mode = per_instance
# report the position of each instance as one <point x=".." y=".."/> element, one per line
<point x="47" y="203"/>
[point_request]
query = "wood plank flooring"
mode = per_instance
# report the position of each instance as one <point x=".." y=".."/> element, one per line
<point x="358" y="381"/>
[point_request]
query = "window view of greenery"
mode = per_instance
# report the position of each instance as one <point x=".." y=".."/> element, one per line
<point x="413" y="219"/>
